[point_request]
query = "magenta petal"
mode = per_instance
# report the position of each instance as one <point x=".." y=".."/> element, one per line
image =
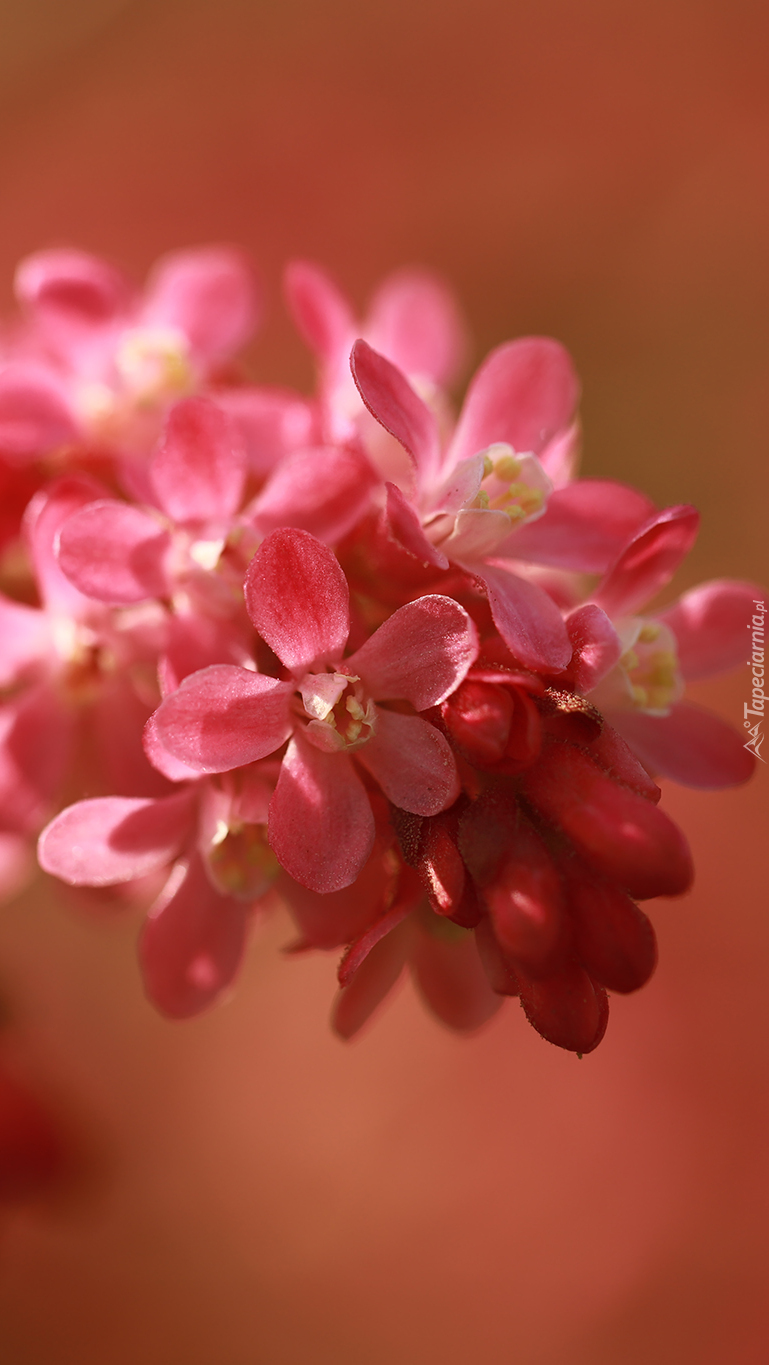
<point x="37" y="732"/>
<point x="26" y="638"/>
<point x="420" y="654"/>
<point x="412" y="762"/>
<point x="71" y="284"/>
<point x="113" y="839"/>
<point x="270" y="422"/>
<point x="406" y="527"/>
<point x="584" y="527"/>
<point x="199" y="472"/>
<point x="321" y="826"/>
<point x="298" y="599"/>
<point x="415" y="322"/>
<point x="320" y="311"/>
<point x="649" y="561"/>
<point x="192" y="944"/>
<point x="689" y="745"/>
<point x="224" y="717"/>
<point x="596" y="646"/>
<point x="209" y="295"/>
<point x="34" y="414"/>
<point x="324" y="491"/>
<point x="372" y="982"/>
<point x="710" y="624"/>
<point x="115" y="553"/>
<point x="452" y="981"/>
<point x="162" y="760"/>
<point x="526" y="618"/>
<point x="524" y="393"/>
<point x="391" y="399"/>
<point x="43" y="520"/>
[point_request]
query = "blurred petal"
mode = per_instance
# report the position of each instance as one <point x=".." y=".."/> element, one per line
<point x="710" y="624"/>
<point x="689" y="745"/>
<point x="319" y="310"/>
<point x="324" y="491"/>
<point x="115" y="552"/>
<point x="34" y="414"/>
<point x="414" y="321"/>
<point x="584" y="526"/>
<point x="649" y="561"/>
<point x="450" y="977"/>
<point x="270" y="423"/>
<point x="524" y="393"/>
<point x="596" y="644"/>
<point x="199" y="471"/>
<point x="372" y="982"/>
<point x="209" y="295"/>
<point x="113" y="839"/>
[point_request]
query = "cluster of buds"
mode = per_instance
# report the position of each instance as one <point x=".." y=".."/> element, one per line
<point x="391" y="667"/>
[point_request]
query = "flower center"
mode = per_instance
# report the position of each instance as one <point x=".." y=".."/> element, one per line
<point x="651" y="668"/>
<point x="514" y="484"/>
<point x="341" y="716"/>
<point x="241" y="860"/>
<point x="154" y="364"/>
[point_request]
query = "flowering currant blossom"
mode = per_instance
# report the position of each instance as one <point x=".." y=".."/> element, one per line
<point x="402" y="674"/>
<point x="320" y="822"/>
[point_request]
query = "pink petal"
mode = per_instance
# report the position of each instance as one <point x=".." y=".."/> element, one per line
<point x="452" y="981"/>
<point x="326" y="921"/>
<point x="711" y="624"/>
<point x="372" y="982"/>
<point x="192" y="945"/>
<point x="71" y="284"/>
<point x="34" y="414"/>
<point x="43" y="520"/>
<point x="320" y="311"/>
<point x="415" y="322"/>
<point x="298" y="599"/>
<point x="584" y="527"/>
<point x="526" y="618"/>
<point x="420" y="654"/>
<point x="391" y="399"/>
<point x="195" y="641"/>
<point x="121" y="762"/>
<point x="412" y="762"/>
<point x="113" y="839"/>
<point x="270" y="423"/>
<point x="37" y="731"/>
<point x="649" y="561"/>
<point x="560" y="457"/>
<point x="224" y="717"/>
<point x="381" y="928"/>
<point x="406" y="527"/>
<point x="524" y="394"/>
<point x="321" y="826"/>
<point x="689" y="745"/>
<point x="165" y="762"/>
<point x="596" y="646"/>
<point x="26" y="638"/>
<point x="324" y="491"/>
<point x="199" y="472"/>
<point x="115" y="552"/>
<point x="209" y="295"/>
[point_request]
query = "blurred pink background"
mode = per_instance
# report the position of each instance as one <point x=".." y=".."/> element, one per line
<point x="262" y="1194"/>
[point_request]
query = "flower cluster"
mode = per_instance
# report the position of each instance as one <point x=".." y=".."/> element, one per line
<point x="388" y="665"/>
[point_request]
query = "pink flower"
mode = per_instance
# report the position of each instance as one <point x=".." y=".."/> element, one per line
<point x="478" y="503"/>
<point x="320" y="822"/>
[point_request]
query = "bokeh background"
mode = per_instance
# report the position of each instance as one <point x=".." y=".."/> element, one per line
<point x="261" y="1194"/>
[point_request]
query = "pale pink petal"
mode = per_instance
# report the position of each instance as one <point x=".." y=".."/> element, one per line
<point x="224" y="717"/>
<point x="162" y="760"/>
<point x="209" y="295"/>
<point x="689" y="745"/>
<point x="199" y="471"/>
<point x="524" y="394"/>
<point x="320" y="311"/>
<point x="461" y="485"/>
<point x="321" y="825"/>
<point x="596" y="646"/>
<point x="37" y="731"/>
<point x="412" y="762"/>
<point x="114" y="552"/>
<point x="478" y="532"/>
<point x="526" y="618"/>
<point x="270" y="422"/>
<point x="71" y="285"/>
<point x="324" y="491"/>
<point x="560" y="457"/>
<point x="298" y="599"/>
<point x="406" y="527"/>
<point x="378" y="973"/>
<point x="584" y="527"/>
<point x="391" y="399"/>
<point x="649" y="561"/>
<point x="192" y="944"/>
<point x="46" y="514"/>
<point x="420" y="654"/>
<point x="414" y="321"/>
<point x="35" y="417"/>
<point x="451" y="979"/>
<point x="712" y="625"/>
<point x="26" y="640"/>
<point x="113" y="839"/>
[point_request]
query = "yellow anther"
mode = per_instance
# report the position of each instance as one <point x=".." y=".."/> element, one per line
<point x="488" y="466"/>
<point x="481" y="499"/>
<point x="353" y="730"/>
<point x="507" y="468"/>
<point x="640" y="696"/>
<point x="649" y="632"/>
<point x="515" y="513"/>
<point x="630" y="660"/>
<point x="354" y="707"/>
